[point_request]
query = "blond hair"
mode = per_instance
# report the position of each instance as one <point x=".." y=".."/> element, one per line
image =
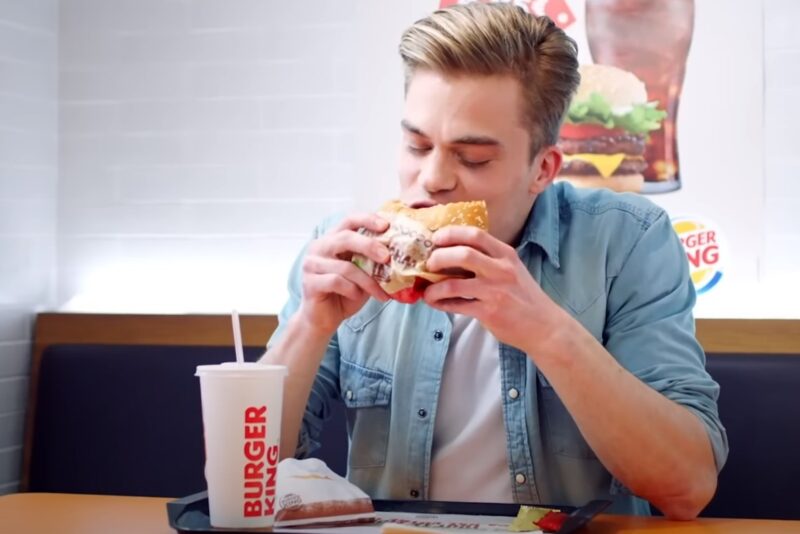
<point x="500" y="39"/>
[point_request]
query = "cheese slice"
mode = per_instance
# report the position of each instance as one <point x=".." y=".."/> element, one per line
<point x="605" y="164"/>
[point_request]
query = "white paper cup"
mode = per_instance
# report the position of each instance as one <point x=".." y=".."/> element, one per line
<point x="242" y="405"/>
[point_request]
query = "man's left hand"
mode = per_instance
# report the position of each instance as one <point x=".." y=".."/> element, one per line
<point x="503" y="295"/>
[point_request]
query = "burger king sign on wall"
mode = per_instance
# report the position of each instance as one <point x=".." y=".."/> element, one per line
<point x="703" y="243"/>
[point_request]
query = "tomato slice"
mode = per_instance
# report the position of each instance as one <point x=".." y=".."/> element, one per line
<point x="587" y="131"/>
<point x="408" y="295"/>
<point x="412" y="294"/>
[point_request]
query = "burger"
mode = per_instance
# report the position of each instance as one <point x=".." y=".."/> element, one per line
<point x="409" y="240"/>
<point x="606" y="129"/>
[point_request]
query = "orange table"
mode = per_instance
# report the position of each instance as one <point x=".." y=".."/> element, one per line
<point x="41" y="513"/>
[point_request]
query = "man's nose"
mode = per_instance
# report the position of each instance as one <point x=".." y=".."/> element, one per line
<point x="437" y="174"/>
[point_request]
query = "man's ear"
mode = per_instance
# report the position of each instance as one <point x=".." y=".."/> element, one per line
<point x="545" y="167"/>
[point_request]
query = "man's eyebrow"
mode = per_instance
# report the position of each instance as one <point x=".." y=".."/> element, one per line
<point x="410" y="128"/>
<point x="464" y="140"/>
<point x="476" y="140"/>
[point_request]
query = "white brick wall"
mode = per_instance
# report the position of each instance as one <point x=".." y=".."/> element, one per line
<point x="782" y="157"/>
<point x="28" y="175"/>
<point x="203" y="136"/>
<point x="185" y="119"/>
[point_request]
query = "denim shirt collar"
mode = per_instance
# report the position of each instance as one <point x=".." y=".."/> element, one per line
<point x="542" y="226"/>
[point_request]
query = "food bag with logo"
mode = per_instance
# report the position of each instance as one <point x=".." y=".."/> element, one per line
<point x="309" y="493"/>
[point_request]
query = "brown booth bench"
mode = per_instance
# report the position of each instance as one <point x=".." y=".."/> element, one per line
<point x="115" y="409"/>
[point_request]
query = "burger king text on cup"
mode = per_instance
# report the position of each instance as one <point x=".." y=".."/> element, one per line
<point x="261" y="464"/>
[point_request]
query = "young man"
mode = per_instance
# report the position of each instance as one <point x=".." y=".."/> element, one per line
<point x="567" y="368"/>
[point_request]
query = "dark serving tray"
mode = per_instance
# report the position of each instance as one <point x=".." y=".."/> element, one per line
<point x="190" y="514"/>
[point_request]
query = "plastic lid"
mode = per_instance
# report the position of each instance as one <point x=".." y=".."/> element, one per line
<point x="243" y="369"/>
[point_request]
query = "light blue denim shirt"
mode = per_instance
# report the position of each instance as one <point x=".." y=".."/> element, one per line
<point x="614" y="262"/>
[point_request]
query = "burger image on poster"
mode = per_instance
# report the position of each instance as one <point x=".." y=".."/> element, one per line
<point x="604" y="134"/>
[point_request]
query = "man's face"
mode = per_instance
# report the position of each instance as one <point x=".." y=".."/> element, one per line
<point x="463" y="139"/>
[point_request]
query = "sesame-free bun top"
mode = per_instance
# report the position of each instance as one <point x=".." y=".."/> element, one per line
<point x="620" y="88"/>
<point x="472" y="213"/>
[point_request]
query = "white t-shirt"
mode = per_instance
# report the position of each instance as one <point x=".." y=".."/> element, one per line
<point x="470" y="460"/>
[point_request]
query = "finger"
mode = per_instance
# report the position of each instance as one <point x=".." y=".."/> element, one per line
<point x="344" y="244"/>
<point x="464" y="289"/>
<point x="456" y="296"/>
<point x="369" y="221"/>
<point x="471" y="308"/>
<point x="461" y="257"/>
<point x="349" y="271"/>
<point x="331" y="283"/>
<point x="474" y="237"/>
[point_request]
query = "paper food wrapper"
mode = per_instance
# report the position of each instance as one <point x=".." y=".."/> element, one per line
<point x="409" y="243"/>
<point x="309" y="493"/>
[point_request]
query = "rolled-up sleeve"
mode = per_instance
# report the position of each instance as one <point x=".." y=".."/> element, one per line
<point x="650" y="327"/>
<point x="326" y="384"/>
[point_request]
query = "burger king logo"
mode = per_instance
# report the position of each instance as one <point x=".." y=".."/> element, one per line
<point x="702" y="242"/>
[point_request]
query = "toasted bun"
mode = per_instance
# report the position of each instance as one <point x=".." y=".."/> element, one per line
<point x="471" y="213"/>
<point x="620" y="88"/>
<point x="618" y="182"/>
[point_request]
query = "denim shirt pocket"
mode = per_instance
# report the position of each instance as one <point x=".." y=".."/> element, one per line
<point x="367" y="395"/>
<point x="562" y="436"/>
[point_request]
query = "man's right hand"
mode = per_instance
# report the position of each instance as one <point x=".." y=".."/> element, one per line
<point x="334" y="288"/>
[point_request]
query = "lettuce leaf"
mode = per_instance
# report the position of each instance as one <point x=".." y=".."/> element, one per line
<point x="637" y="119"/>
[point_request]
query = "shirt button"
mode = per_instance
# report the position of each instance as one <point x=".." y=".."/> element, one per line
<point x="414" y="493"/>
<point x="520" y="478"/>
<point x="513" y="393"/>
<point x="349" y="394"/>
<point x="422" y="412"/>
<point x="438" y="335"/>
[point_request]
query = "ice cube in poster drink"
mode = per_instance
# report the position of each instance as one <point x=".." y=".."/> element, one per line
<point x="650" y="38"/>
<point x="242" y="405"/>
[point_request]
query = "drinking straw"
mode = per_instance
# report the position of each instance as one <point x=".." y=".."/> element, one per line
<point x="237" y="337"/>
